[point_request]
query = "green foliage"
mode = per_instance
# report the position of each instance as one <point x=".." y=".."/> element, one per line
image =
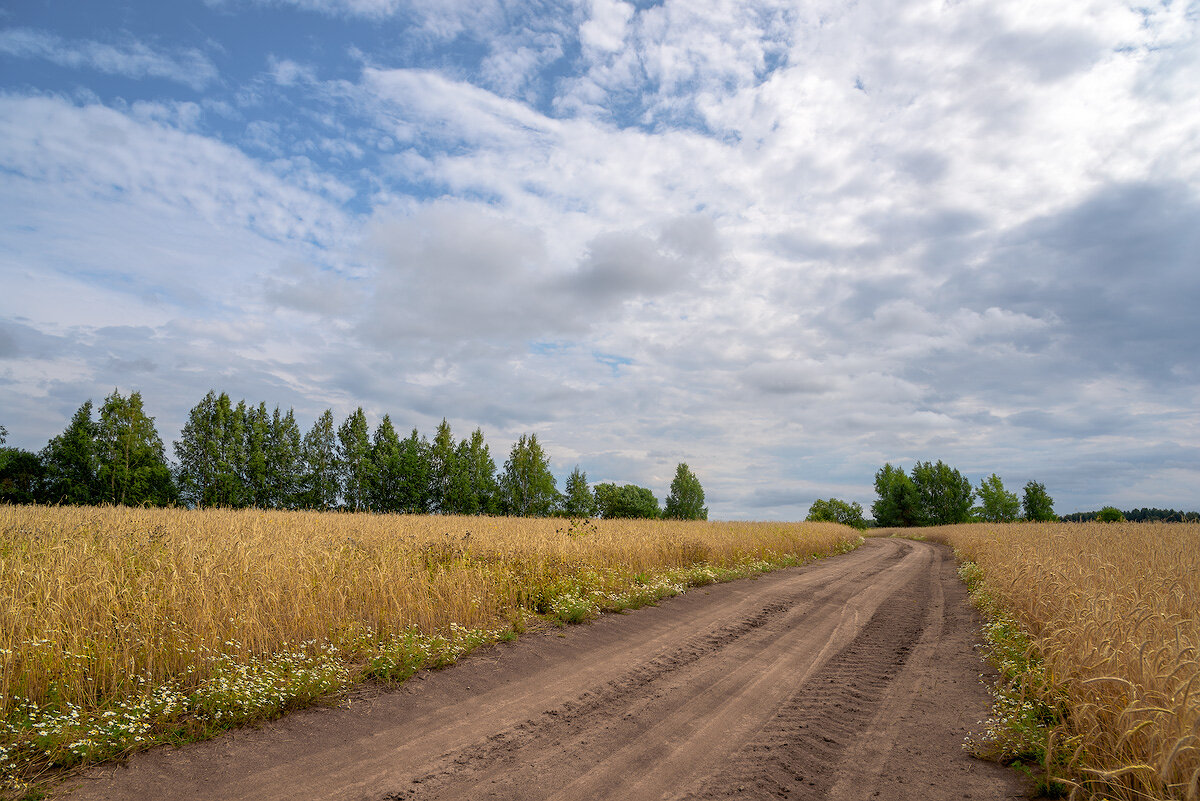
<point x="21" y="476"/>
<point x="527" y="486"/>
<point x="1110" y="514"/>
<point x="443" y="465"/>
<point x="1037" y="504"/>
<point x="284" y="463"/>
<point x="416" y="471"/>
<point x="72" y="463"/>
<point x="945" y="494"/>
<point x="383" y="492"/>
<point x="579" y="500"/>
<point x="254" y="466"/>
<point x="686" y="500"/>
<point x="627" y="500"/>
<point x="320" y="481"/>
<point x="209" y="451"/>
<point x="354" y="465"/>
<point x="132" y="466"/>
<point x="997" y="505"/>
<point x="478" y="475"/>
<point x="1144" y="514"/>
<point x="837" y="511"/>
<point x="899" y="504"/>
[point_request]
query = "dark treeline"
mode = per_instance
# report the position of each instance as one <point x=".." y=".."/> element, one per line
<point x="235" y="455"/>
<point x="1143" y="515"/>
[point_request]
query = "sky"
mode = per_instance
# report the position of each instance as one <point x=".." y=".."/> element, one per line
<point x="783" y="241"/>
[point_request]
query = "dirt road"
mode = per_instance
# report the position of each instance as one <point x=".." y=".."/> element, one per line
<point x="851" y="678"/>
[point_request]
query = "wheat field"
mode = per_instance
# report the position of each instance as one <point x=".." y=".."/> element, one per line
<point x="1113" y="611"/>
<point x="119" y="626"/>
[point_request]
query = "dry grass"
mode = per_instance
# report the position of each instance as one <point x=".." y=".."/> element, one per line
<point x="1113" y="612"/>
<point x="119" y="626"/>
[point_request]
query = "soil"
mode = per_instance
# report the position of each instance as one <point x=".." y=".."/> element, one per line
<point x="854" y="677"/>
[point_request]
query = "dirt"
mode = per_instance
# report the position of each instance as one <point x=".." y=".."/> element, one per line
<point x="855" y="677"/>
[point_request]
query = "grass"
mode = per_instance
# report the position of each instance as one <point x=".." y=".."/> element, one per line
<point x="122" y="628"/>
<point x="1095" y="628"/>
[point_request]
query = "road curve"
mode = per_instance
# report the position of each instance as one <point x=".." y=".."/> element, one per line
<point x="854" y="677"/>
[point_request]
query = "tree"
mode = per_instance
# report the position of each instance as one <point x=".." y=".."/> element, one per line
<point x="210" y="452"/>
<point x="132" y="465"/>
<point x="320" y="482"/>
<point x="285" y="461"/>
<point x="527" y="486"/>
<point x="1037" y="503"/>
<point x="353" y="457"/>
<point x="415" y="471"/>
<point x="255" y="450"/>
<point x="22" y="476"/>
<point x="996" y="504"/>
<point x="898" y="505"/>
<point x="1110" y="514"/>
<point x="72" y="463"/>
<point x="3" y="435"/>
<point x="579" y="501"/>
<point x="837" y="511"/>
<point x="628" y="500"/>
<point x="475" y="477"/>
<point x="443" y="463"/>
<point x="384" y="490"/>
<point x="686" y="500"/>
<point x="945" y="494"/>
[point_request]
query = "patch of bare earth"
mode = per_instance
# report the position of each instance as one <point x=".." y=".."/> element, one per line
<point x="854" y="677"/>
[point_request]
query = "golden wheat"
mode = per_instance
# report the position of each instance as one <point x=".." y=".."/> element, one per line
<point x="99" y="606"/>
<point x="1114" y="611"/>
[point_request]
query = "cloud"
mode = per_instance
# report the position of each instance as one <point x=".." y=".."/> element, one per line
<point x="453" y="273"/>
<point x="782" y="243"/>
<point x="132" y="59"/>
<point x="604" y="30"/>
<point x="1117" y="274"/>
<point x="96" y="151"/>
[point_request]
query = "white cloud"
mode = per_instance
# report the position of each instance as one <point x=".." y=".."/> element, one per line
<point x="605" y="28"/>
<point x="132" y="59"/>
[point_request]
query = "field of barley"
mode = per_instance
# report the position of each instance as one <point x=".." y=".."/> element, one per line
<point x="120" y="627"/>
<point x="1110" y="664"/>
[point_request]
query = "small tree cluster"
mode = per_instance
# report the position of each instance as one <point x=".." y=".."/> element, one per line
<point x="837" y="511"/>
<point x="114" y="457"/>
<point x="935" y="494"/>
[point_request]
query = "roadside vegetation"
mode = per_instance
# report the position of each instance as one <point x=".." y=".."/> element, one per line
<point x="121" y="628"/>
<point x="1095" y="628"/>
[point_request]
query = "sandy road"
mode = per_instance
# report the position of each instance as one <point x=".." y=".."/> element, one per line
<point x="851" y="678"/>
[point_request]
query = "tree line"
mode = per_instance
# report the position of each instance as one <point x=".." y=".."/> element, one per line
<point x="237" y="455"/>
<point x="1142" y="515"/>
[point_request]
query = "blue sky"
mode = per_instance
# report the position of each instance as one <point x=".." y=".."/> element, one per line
<point x="783" y="242"/>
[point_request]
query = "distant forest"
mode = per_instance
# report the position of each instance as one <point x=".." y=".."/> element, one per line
<point x="237" y="455"/>
<point x="1143" y="515"/>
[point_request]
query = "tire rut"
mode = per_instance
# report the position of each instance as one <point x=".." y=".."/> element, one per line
<point x="798" y="753"/>
<point x="679" y="690"/>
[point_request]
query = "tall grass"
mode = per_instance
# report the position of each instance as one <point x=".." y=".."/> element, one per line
<point x="1110" y="616"/>
<point x="123" y="627"/>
